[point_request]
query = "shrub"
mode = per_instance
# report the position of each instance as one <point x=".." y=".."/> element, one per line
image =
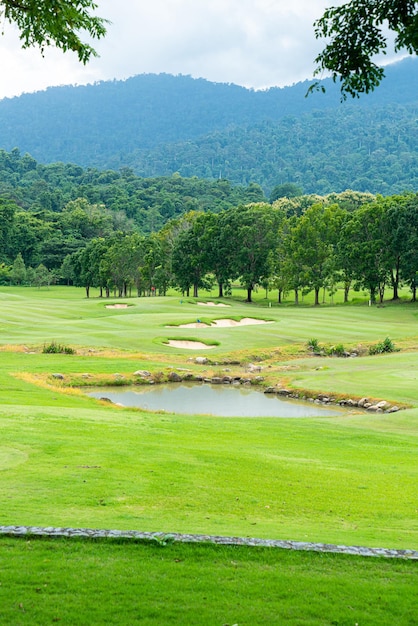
<point x="313" y="345"/>
<point x="383" y="346"/>
<point x="57" y="348"/>
<point x="337" y="350"/>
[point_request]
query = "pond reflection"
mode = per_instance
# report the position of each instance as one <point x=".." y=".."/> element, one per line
<point x="219" y="400"/>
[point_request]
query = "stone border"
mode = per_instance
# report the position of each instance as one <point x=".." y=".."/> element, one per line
<point x="163" y="538"/>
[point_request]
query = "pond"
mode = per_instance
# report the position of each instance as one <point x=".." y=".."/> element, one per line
<point x="219" y="400"/>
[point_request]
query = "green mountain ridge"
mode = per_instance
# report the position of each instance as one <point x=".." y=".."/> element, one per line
<point x="158" y="125"/>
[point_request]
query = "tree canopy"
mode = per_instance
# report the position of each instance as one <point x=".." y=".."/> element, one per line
<point x="55" y="22"/>
<point x="356" y="32"/>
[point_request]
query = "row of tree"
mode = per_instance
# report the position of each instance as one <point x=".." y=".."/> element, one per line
<point x="372" y="247"/>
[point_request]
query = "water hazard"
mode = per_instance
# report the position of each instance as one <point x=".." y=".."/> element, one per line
<point x="219" y="400"/>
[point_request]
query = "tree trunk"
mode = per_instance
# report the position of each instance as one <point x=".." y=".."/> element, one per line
<point x="101" y="292"/>
<point x="87" y="291"/>
<point x="249" y="292"/>
<point x="381" y="293"/>
<point x="414" y="293"/>
<point x="316" y="296"/>
<point x="195" y="291"/>
<point x="395" y="281"/>
<point x="279" y="296"/>
<point x="221" y="290"/>
<point x="347" y="286"/>
<point x="296" y="296"/>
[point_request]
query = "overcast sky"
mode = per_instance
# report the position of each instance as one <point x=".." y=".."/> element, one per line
<point x="254" y="43"/>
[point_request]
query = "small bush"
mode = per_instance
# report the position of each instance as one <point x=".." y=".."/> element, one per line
<point x="383" y="346"/>
<point x="337" y="350"/>
<point x="313" y="345"/>
<point x="57" y="348"/>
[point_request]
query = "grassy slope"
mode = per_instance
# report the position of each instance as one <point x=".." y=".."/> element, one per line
<point x="77" y="583"/>
<point x="67" y="460"/>
<point x="348" y="479"/>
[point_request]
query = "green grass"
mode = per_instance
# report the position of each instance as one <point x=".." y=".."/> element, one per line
<point x="68" y="460"/>
<point x="110" y="582"/>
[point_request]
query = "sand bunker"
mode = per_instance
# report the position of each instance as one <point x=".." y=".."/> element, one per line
<point x="116" y="306"/>
<point x="212" y="304"/>
<point x="246" y="321"/>
<point x="191" y="325"/>
<point x="189" y="345"/>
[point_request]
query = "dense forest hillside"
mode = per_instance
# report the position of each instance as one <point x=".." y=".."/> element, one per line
<point x="147" y="202"/>
<point x="161" y="124"/>
<point x="369" y="149"/>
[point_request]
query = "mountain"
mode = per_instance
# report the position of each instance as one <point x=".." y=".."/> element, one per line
<point x="161" y="124"/>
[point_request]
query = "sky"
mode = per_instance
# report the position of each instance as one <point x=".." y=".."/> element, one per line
<point x="254" y="43"/>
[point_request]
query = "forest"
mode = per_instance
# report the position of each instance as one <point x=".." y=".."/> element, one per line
<point x="119" y="232"/>
<point x="160" y="125"/>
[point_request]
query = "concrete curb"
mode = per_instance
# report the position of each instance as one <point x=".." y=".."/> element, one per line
<point x="162" y="538"/>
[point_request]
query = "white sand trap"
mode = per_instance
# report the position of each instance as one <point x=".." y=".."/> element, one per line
<point x="116" y="306"/>
<point x="246" y="321"/>
<point x="191" y="325"/>
<point x="189" y="345"/>
<point x="212" y="304"/>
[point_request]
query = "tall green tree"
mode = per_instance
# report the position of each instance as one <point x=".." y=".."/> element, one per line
<point x="55" y="22"/>
<point x="356" y="31"/>
<point x="7" y="220"/>
<point x="252" y="232"/>
<point x="190" y="261"/>
<point x="313" y="245"/>
<point x="363" y="242"/>
<point x="18" y="270"/>
<point x="406" y="235"/>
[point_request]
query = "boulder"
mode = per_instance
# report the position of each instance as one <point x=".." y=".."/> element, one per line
<point x="58" y="376"/>
<point x="142" y="373"/>
<point x="351" y="402"/>
<point x="173" y="377"/>
<point x="201" y="360"/>
<point x="253" y="368"/>
<point x="392" y="409"/>
<point x="362" y="402"/>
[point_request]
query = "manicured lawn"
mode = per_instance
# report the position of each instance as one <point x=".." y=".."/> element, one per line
<point x="107" y="582"/>
<point x="68" y="460"/>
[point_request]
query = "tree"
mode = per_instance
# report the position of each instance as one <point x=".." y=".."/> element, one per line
<point x="355" y="31"/>
<point x="7" y="219"/>
<point x="285" y="190"/>
<point x="252" y="232"/>
<point x="313" y="242"/>
<point x="55" y="22"/>
<point x="190" y="261"/>
<point x="364" y="246"/>
<point x="18" y="270"/>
